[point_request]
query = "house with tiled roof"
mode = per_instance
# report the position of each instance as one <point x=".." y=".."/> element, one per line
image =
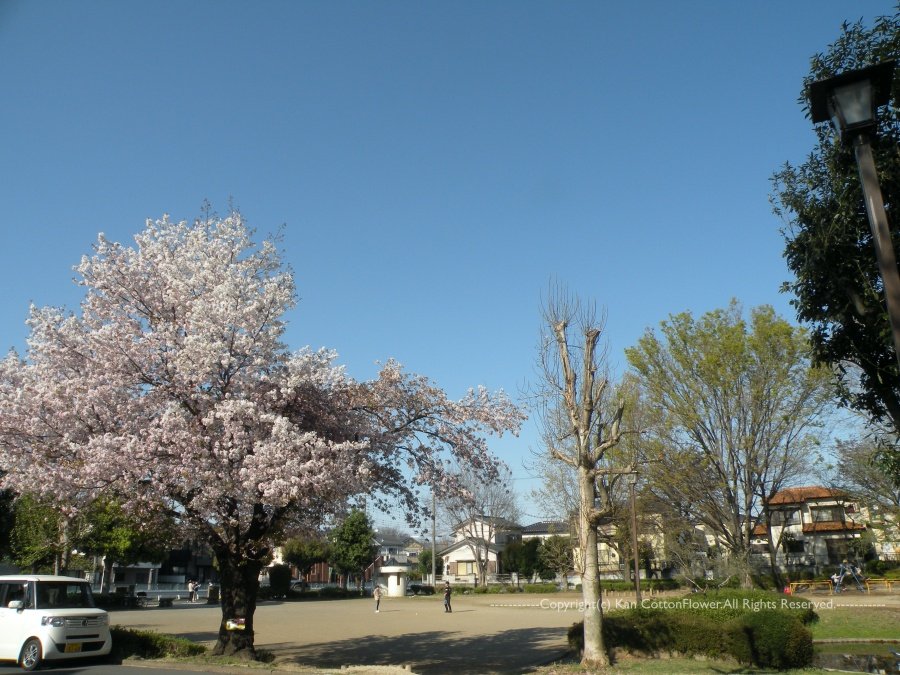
<point x="812" y="528"/>
<point x="546" y="529"/>
<point x="480" y="539"/>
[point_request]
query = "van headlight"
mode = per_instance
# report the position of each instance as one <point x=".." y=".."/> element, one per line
<point x="55" y="621"/>
<point x="103" y="620"/>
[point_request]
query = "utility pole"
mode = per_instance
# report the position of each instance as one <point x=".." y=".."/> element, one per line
<point x="433" y="537"/>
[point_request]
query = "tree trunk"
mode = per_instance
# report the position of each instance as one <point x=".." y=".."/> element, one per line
<point x="773" y="547"/>
<point x="239" y="579"/>
<point x="106" y="576"/>
<point x="594" y="650"/>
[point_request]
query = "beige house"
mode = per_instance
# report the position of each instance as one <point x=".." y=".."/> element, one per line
<point x="481" y="538"/>
<point x="812" y="528"/>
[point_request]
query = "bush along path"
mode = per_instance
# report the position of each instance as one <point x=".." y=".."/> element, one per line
<point x="752" y="627"/>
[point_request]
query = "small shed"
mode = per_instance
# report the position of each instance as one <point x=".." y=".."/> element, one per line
<point x="396" y="579"/>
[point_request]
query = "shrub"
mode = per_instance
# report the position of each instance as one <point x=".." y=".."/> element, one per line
<point x="421" y="589"/>
<point x="540" y="588"/>
<point x="653" y="632"/>
<point x="334" y="592"/>
<point x="646" y="585"/>
<point x="729" y="603"/>
<point x="147" y="644"/>
<point x="280" y="580"/>
<point x="715" y="626"/>
<point x="776" y="640"/>
<point x="883" y="568"/>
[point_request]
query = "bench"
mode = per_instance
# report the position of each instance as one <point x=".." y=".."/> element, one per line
<point x="800" y="586"/>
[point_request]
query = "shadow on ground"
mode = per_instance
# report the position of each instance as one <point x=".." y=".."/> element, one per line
<point x="511" y="651"/>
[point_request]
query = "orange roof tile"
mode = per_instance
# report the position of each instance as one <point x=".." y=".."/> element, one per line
<point x="832" y="526"/>
<point x="798" y="495"/>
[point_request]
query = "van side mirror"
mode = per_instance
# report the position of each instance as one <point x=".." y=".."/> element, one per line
<point x="16" y="604"/>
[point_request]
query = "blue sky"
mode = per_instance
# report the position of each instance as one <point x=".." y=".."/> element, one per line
<point x="435" y="164"/>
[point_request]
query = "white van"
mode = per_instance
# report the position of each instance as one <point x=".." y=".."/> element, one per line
<point x="48" y="618"/>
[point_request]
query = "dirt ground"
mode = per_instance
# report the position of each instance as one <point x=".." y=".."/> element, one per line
<point x="484" y="634"/>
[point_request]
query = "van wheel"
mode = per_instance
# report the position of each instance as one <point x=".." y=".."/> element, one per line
<point x="30" y="657"/>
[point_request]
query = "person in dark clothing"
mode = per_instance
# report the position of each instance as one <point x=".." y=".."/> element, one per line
<point x="447" y="607"/>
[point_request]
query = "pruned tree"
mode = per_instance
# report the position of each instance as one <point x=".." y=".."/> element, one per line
<point x="739" y="406"/>
<point x="580" y="428"/>
<point x="557" y="492"/>
<point x="482" y="514"/>
<point x="172" y="389"/>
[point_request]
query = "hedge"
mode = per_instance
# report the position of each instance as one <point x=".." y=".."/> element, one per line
<point x="714" y="626"/>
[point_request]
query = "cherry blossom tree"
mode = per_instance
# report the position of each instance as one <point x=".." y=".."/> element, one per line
<point x="172" y="388"/>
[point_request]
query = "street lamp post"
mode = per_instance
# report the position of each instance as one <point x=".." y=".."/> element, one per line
<point x="632" y="481"/>
<point x="850" y="101"/>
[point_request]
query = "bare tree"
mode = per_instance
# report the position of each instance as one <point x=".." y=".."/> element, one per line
<point x="482" y="515"/>
<point x="581" y="426"/>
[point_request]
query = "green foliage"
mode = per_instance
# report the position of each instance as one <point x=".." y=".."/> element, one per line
<point x="775" y="639"/>
<point x="36" y="536"/>
<point x="829" y="248"/>
<point x="883" y="568"/>
<point x="523" y="557"/>
<point x="352" y="549"/>
<point x="303" y="552"/>
<point x="646" y="585"/>
<point x="7" y="520"/>
<point x="540" y="588"/>
<point x="146" y="644"/>
<point x="556" y="555"/>
<point x="126" y="538"/>
<point x="764" y="637"/>
<point x="716" y="383"/>
<point x="424" y="566"/>
<point x="654" y="632"/>
<point x="421" y="589"/>
<point x="280" y="580"/>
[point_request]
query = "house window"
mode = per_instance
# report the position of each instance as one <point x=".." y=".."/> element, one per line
<point x="837" y="550"/>
<point x="794" y="546"/>
<point x="827" y="514"/>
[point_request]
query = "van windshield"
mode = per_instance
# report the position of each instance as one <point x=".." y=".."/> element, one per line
<point x="63" y="595"/>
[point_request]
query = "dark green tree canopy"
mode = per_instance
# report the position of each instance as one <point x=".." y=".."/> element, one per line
<point x="352" y="548"/>
<point x="304" y="552"/>
<point x="828" y="243"/>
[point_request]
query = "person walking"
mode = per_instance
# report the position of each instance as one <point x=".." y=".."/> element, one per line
<point x="377" y="595"/>
<point x="447" y="607"/>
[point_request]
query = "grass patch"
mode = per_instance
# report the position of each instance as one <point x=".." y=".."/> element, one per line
<point x="148" y="644"/>
<point x="866" y="623"/>
<point x="668" y="666"/>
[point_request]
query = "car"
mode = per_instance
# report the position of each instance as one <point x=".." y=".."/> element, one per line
<point x="49" y="618"/>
